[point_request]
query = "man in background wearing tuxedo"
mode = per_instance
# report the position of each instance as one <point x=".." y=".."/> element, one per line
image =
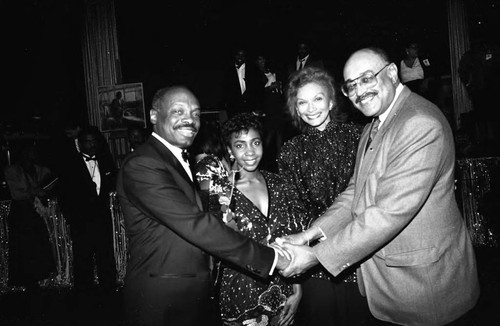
<point x="87" y="177"/>
<point x="240" y="85"/>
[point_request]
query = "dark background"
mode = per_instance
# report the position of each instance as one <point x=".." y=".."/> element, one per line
<point x="189" y="41"/>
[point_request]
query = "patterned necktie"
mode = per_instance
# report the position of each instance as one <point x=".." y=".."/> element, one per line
<point x="373" y="131"/>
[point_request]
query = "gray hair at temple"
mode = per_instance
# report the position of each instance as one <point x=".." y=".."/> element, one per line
<point x="303" y="77"/>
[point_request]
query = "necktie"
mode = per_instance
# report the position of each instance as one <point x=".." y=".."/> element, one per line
<point x="301" y="64"/>
<point x="373" y="131"/>
<point x="185" y="155"/>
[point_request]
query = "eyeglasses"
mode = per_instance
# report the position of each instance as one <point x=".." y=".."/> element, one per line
<point x="367" y="80"/>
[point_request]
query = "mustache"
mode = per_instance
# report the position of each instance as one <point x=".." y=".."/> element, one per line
<point x="365" y="95"/>
<point x="188" y="125"/>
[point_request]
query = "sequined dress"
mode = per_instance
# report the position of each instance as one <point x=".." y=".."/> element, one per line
<point x="319" y="164"/>
<point x="245" y="300"/>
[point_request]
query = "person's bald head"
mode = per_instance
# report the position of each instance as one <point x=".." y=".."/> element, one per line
<point x="370" y="81"/>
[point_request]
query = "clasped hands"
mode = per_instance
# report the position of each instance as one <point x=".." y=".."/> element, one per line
<point x="294" y="254"/>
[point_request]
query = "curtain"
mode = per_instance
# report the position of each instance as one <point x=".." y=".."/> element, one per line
<point x="100" y="52"/>
<point x="458" y="31"/>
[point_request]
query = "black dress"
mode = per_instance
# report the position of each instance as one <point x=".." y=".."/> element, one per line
<point x="319" y="164"/>
<point x="245" y="300"/>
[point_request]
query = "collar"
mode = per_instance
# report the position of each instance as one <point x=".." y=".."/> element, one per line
<point x="384" y="115"/>
<point x="88" y="157"/>
<point x="77" y="145"/>
<point x="303" y="59"/>
<point x="314" y="131"/>
<point x="174" y="149"/>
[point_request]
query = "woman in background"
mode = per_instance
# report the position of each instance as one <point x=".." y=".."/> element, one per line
<point x="319" y="163"/>
<point x="30" y="253"/>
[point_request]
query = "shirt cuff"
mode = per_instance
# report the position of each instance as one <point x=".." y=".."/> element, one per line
<point x="323" y="235"/>
<point x="275" y="262"/>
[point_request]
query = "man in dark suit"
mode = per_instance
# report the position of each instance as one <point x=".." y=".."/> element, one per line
<point x="240" y="85"/>
<point x="303" y="58"/>
<point x="86" y="177"/>
<point x="168" y="279"/>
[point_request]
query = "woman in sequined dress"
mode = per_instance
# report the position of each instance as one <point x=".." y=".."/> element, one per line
<point x="319" y="163"/>
<point x="259" y="207"/>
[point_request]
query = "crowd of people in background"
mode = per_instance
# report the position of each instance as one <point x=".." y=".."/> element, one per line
<point x="297" y="210"/>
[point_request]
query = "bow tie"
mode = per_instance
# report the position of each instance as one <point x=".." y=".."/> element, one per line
<point x="185" y="155"/>
<point x="88" y="157"/>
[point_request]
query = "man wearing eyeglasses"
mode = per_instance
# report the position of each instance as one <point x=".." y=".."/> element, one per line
<point x="398" y="216"/>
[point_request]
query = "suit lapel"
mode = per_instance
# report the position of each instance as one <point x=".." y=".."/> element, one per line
<point x="367" y="158"/>
<point x="81" y="168"/>
<point x="170" y="159"/>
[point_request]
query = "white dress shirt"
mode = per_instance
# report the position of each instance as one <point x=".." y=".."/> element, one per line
<point x="384" y="115"/>
<point x="93" y="168"/>
<point x="301" y="62"/>
<point x="241" y="77"/>
<point x="177" y="153"/>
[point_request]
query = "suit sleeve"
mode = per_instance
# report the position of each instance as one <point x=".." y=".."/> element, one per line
<point x="399" y="187"/>
<point x="152" y="188"/>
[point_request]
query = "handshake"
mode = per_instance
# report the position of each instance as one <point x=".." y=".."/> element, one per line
<point x="295" y="256"/>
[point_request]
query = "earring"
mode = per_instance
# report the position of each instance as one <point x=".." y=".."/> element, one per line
<point x="231" y="157"/>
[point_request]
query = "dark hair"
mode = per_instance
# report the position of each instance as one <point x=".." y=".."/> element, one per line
<point x="208" y="140"/>
<point x="102" y="144"/>
<point x="239" y="123"/>
<point x="89" y="130"/>
<point x="131" y="129"/>
<point x="303" y="77"/>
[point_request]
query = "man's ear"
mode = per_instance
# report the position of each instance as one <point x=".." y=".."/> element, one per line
<point x="153" y="116"/>
<point x="393" y="72"/>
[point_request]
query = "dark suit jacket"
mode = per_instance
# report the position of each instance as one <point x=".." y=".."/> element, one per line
<point x="312" y="61"/>
<point x="168" y="278"/>
<point x="234" y="101"/>
<point x="77" y="195"/>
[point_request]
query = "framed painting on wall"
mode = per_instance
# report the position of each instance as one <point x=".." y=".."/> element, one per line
<point x="121" y="106"/>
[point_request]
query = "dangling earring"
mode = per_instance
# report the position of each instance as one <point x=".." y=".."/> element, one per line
<point x="231" y="157"/>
